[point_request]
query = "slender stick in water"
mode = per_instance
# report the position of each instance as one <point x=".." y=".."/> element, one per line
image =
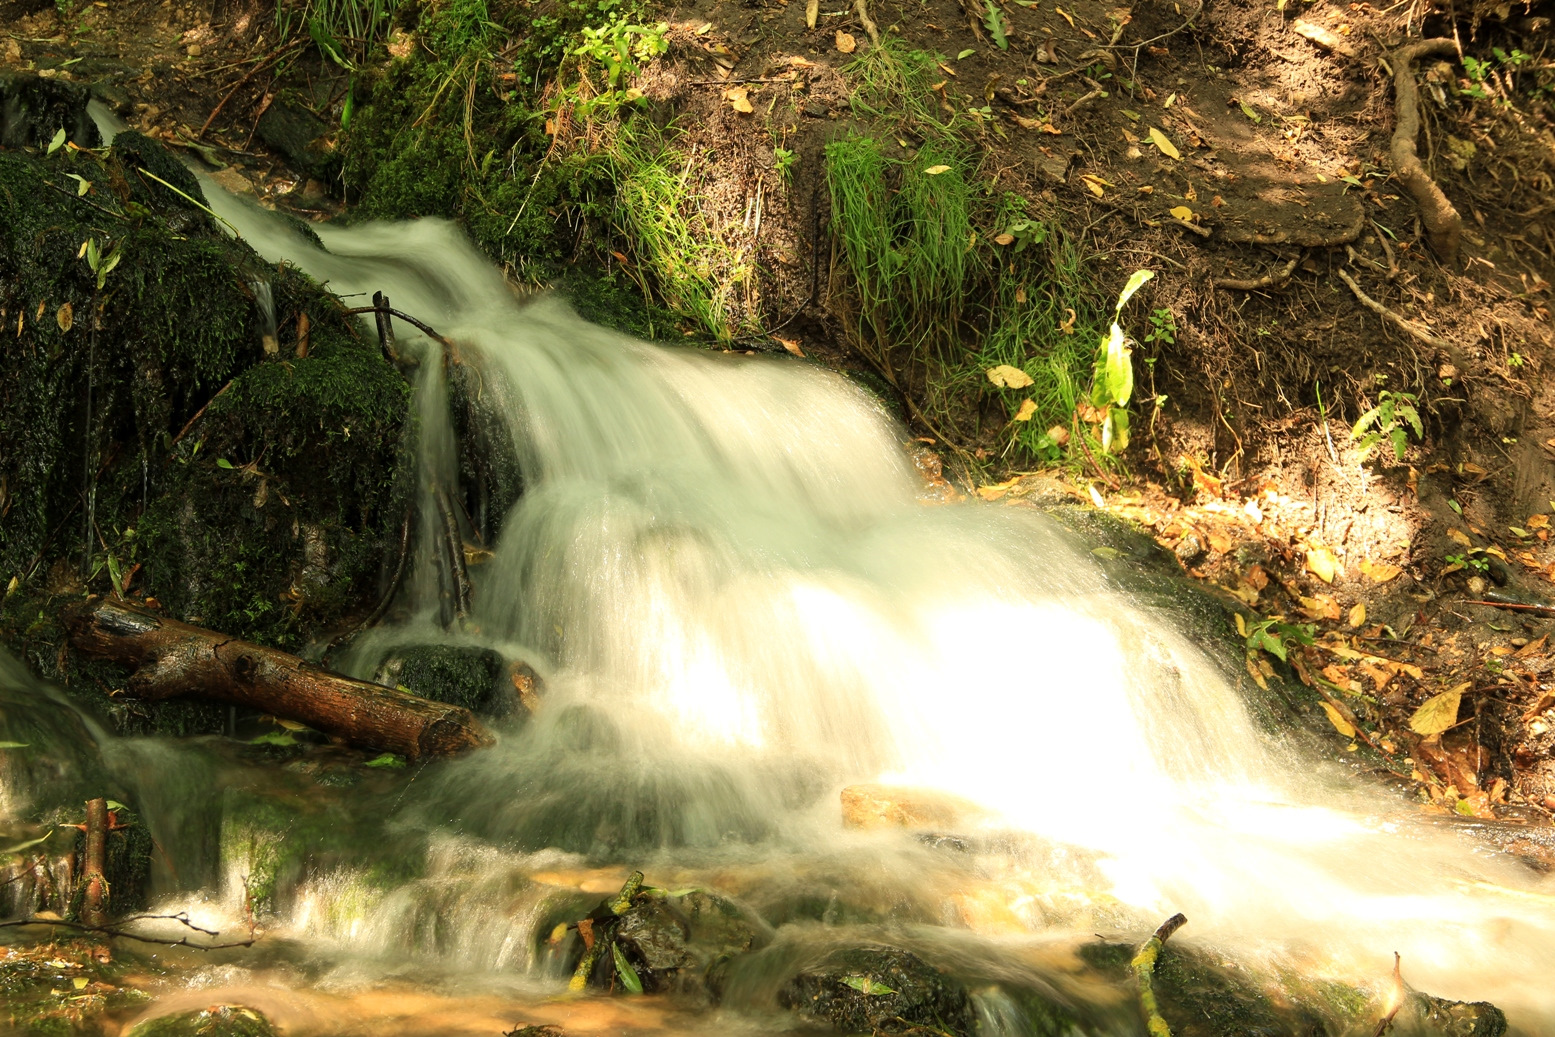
<point x="1144" y="972"/>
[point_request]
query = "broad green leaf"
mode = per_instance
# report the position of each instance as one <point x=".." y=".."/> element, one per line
<point x="867" y="986"/>
<point x="1437" y="713"/>
<point x="628" y="975"/>
<point x="58" y="141"/>
<point x="1119" y="367"/>
<point x="14" y="745"/>
<point x="1135" y="283"/>
<point x="387" y="760"/>
<point x="966" y="53"/>
<point x="274" y="738"/>
<point x="222" y="462"/>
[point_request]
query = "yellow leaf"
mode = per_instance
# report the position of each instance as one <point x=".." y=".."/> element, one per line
<point x="1358" y="614"/>
<point x="997" y="490"/>
<point x="1007" y="377"/>
<point x="845" y="42"/>
<point x="1027" y="409"/>
<point x="739" y="99"/>
<point x="1182" y="212"/>
<point x="65" y="317"/>
<point x="1336" y="718"/>
<point x="1004" y="239"/>
<point x="1437" y="713"/>
<point x="790" y="344"/>
<point x="812" y="10"/>
<point x="1382" y="572"/>
<point x="1165" y="145"/>
<point x="1092" y="186"/>
<point x="1241" y="624"/>
<point x="937" y="170"/>
<point x="1459" y="536"/>
<point x="1066" y="16"/>
<point x="1538" y="521"/>
<point x="1322" y="564"/>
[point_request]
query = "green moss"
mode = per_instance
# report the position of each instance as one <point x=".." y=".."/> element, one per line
<point x="215" y="1021"/>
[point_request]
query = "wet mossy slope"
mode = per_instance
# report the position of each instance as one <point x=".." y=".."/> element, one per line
<point x="179" y="418"/>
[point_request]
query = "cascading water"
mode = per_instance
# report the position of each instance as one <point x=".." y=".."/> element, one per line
<point x="721" y="567"/>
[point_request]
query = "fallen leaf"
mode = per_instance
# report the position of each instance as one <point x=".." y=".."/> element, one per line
<point x="1065" y="15"/>
<point x="1341" y="725"/>
<point x="739" y="99"/>
<point x="1437" y="713"/>
<point x="790" y="344"/>
<point x="1322" y="564"/>
<point x="845" y="42"/>
<point x="1358" y="614"/>
<point x="1460" y="537"/>
<point x="966" y="54"/>
<point x="1382" y="572"/>
<point x="1182" y="212"/>
<point x="65" y="316"/>
<point x="1066" y="326"/>
<point x="1059" y="435"/>
<point x="1020" y="296"/>
<point x="997" y="490"/>
<point x="1165" y="145"/>
<point x="1007" y="377"/>
<point x="812" y="11"/>
<point x="1320" y="607"/>
<point x="937" y="170"/>
<point x="1027" y="409"/>
<point x="1004" y="239"/>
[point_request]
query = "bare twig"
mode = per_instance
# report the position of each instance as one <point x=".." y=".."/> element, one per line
<point x="198" y="415"/>
<point x="1202" y="232"/>
<point x="425" y="329"/>
<point x="1515" y="606"/>
<point x="1084" y="99"/>
<point x="263" y="64"/>
<point x="1388" y="315"/>
<point x="1136" y="47"/>
<point x="116" y="932"/>
<point x="1397" y="998"/>
<point x="1272" y="279"/>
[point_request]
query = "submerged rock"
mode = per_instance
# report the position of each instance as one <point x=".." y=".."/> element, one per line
<point x="215" y="1021"/>
<point x="899" y="806"/>
<point x="881" y="990"/>
<point x="1441" y="1018"/>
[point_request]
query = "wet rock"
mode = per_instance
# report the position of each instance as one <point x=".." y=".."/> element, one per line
<point x="33" y="109"/>
<point x="1437" y="1016"/>
<point x="1190" y="548"/>
<point x="215" y="1021"/>
<point x="299" y="136"/>
<point x="479" y="679"/>
<point x="881" y="990"/>
<point x="896" y="806"/>
<point x="665" y="941"/>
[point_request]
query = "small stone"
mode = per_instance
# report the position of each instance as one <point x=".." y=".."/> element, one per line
<point x="1189" y="549"/>
<point x="1477" y="585"/>
<point x="1519" y="642"/>
<point x="194" y="50"/>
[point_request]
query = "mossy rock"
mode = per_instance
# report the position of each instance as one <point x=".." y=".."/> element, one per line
<point x="33" y="109"/>
<point x="881" y="989"/>
<point x="468" y="676"/>
<point x="31" y="977"/>
<point x="215" y="1021"/>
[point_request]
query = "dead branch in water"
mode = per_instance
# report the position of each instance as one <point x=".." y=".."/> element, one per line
<point x="117" y="932"/>
<point x="1144" y="974"/>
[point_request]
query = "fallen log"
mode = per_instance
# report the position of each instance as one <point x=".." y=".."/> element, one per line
<point x="174" y="659"/>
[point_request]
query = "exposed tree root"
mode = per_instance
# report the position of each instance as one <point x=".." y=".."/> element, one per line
<point x="1302" y="236"/>
<point x="1188" y="225"/>
<point x="1443" y="225"/>
<point x="1273" y="279"/>
<point x="869" y="24"/>
<point x="1402" y="323"/>
<point x="1144" y="974"/>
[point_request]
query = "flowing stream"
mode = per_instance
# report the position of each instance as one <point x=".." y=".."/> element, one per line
<point x="722" y="569"/>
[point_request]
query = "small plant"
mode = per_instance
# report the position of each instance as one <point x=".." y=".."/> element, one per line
<point x="1163" y="327"/>
<point x="1391" y="419"/>
<point x="1473" y="559"/>
<point x="1112" y="383"/>
<point x="783" y="161"/>
<point x="1273" y="635"/>
<point x="1026" y="232"/>
<point x="101" y="265"/>
<point x="993" y="19"/>
<point x="1516" y="360"/>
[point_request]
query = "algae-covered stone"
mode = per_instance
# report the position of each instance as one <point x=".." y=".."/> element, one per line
<point x="1437" y="1017"/>
<point x="684" y="942"/>
<point x="875" y="989"/>
<point x="214" y="1021"/>
<point x="33" y="109"/>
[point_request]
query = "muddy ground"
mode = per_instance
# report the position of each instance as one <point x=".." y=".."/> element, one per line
<point x="1241" y="150"/>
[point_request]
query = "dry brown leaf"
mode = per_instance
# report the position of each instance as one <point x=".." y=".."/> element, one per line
<point x="1007" y="377"/>
<point x="1358" y="614"/>
<point x="739" y="99"/>
<point x="1004" y="239"/>
<point x="1458" y="536"/>
<point x="997" y="490"/>
<point x="1538" y="522"/>
<point x="845" y="42"/>
<point x="790" y="344"/>
<point x="1382" y="572"/>
<point x="812" y="10"/>
<point x="1027" y="409"/>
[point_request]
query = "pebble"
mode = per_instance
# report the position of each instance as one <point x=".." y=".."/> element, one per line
<point x="1519" y="642"/>
<point x="194" y="50"/>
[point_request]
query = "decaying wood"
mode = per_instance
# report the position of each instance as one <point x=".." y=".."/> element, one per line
<point x="174" y="659"/>
<point x="94" y="901"/>
<point x="1144" y="974"/>
<point x="1443" y="225"/>
<point x="1272" y="279"/>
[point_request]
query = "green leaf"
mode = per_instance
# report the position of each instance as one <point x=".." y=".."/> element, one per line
<point x="1119" y="367"/>
<point x="966" y="53"/>
<point x="994" y="20"/>
<point x="1134" y="284"/>
<point x="13" y="745"/>
<point x="222" y="462"/>
<point x="865" y="985"/>
<point x="58" y="141"/>
<point x="327" y="44"/>
<point x="274" y="738"/>
<point x="83" y="185"/>
<point x="1400" y="442"/>
<point x="387" y="760"/>
<point x="114" y="804"/>
<point x="29" y="844"/>
<point x="629" y="978"/>
<point x="1248" y="111"/>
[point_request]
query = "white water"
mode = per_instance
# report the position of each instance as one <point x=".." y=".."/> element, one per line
<point x="722" y="569"/>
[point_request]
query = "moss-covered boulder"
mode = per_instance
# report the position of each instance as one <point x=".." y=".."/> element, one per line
<point x="182" y="422"/>
<point x="881" y="989"/>
<point x="213" y="1021"/>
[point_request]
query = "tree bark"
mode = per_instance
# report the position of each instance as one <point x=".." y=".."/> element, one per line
<point x="174" y="659"/>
